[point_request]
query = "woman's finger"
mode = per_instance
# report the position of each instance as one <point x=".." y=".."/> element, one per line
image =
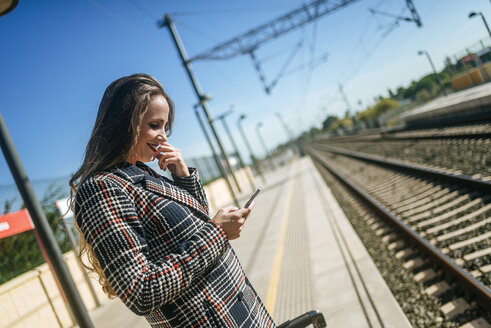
<point x="165" y="156"/>
<point x="230" y="209"/>
<point x="166" y="148"/>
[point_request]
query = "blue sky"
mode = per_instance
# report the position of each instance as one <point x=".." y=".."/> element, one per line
<point x="57" y="58"/>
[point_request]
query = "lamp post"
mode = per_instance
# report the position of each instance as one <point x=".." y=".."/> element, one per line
<point x="421" y="52"/>
<point x="263" y="144"/>
<point x="218" y="118"/>
<point x="7" y="6"/>
<point x="473" y="14"/>
<point x="289" y="133"/>
<point x="215" y="156"/>
<point x="248" y="145"/>
<point x="232" y="141"/>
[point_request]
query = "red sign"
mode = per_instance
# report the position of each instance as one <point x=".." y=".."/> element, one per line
<point x="14" y="223"/>
<point x="466" y="58"/>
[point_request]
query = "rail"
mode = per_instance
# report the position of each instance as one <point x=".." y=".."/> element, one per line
<point x="481" y="293"/>
<point x="419" y="169"/>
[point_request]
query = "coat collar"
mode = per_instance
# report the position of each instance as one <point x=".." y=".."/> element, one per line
<point x="141" y="174"/>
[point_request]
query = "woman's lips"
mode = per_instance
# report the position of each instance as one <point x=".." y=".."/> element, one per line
<point x="154" y="147"/>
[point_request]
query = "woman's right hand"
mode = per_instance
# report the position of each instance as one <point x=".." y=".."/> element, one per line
<point x="231" y="220"/>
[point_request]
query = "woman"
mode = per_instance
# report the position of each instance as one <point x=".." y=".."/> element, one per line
<point x="149" y="238"/>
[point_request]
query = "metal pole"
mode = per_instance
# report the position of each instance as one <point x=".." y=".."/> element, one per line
<point x="43" y="229"/>
<point x="221" y="117"/>
<point x="289" y="133"/>
<point x="73" y="244"/>
<point x="215" y="156"/>
<point x="420" y="52"/>
<point x="194" y="81"/>
<point x="263" y="144"/>
<point x="227" y="130"/>
<point x="485" y="23"/>
<point x="436" y="74"/>
<point x="253" y="158"/>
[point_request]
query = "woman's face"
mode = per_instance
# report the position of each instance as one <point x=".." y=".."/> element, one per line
<point x="152" y="131"/>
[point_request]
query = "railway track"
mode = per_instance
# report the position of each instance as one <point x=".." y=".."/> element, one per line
<point x="436" y="222"/>
<point x="461" y="149"/>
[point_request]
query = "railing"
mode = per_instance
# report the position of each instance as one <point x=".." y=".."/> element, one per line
<point x="32" y="299"/>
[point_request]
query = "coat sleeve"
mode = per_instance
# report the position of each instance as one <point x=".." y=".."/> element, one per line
<point x="192" y="184"/>
<point x="107" y="218"/>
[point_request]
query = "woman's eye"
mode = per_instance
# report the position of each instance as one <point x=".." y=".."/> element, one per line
<point x="154" y="126"/>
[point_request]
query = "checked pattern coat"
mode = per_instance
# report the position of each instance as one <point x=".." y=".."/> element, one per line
<point x="161" y="253"/>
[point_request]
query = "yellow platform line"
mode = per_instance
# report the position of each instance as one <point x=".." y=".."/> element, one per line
<point x="275" y="273"/>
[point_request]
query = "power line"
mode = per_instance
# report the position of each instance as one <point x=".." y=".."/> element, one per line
<point x="114" y="16"/>
<point x="145" y="11"/>
<point x="195" y="31"/>
<point x="230" y="10"/>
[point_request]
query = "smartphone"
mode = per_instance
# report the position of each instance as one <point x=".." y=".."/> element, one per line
<point x="252" y="197"/>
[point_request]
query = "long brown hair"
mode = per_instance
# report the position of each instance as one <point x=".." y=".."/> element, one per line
<point x="115" y="132"/>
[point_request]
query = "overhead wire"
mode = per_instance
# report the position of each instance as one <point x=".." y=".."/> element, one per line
<point x="230" y="10"/>
<point x="305" y="96"/>
<point x="210" y="65"/>
<point x="114" y="16"/>
<point x="365" y="55"/>
<point x="143" y="10"/>
<point x="198" y="32"/>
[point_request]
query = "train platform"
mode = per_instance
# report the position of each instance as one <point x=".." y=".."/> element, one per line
<point x="473" y="101"/>
<point x="300" y="253"/>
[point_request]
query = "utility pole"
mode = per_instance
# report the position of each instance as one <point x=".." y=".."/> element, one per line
<point x="43" y="231"/>
<point x="263" y="144"/>
<point x="220" y="117"/>
<point x="215" y="156"/>
<point x="421" y="52"/>
<point x="248" y="145"/>
<point x="202" y="98"/>
<point x="289" y="134"/>
<point x="348" y="106"/>
<point x="232" y="141"/>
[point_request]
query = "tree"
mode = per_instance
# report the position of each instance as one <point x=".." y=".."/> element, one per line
<point x="328" y="122"/>
<point x="21" y="252"/>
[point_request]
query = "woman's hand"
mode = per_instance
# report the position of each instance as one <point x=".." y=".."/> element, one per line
<point x="231" y="220"/>
<point x="170" y="157"/>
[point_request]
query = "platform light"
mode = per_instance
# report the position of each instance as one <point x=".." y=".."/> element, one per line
<point x="424" y="52"/>
<point x="474" y="14"/>
<point x="7" y="6"/>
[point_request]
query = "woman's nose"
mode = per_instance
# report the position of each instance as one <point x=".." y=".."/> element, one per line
<point x="162" y="137"/>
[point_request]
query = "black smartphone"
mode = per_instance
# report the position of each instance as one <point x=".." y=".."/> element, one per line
<point x="252" y="197"/>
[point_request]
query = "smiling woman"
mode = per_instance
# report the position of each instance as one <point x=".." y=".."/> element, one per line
<point x="153" y="131"/>
<point x="149" y="238"/>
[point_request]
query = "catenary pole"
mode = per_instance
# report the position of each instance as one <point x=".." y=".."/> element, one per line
<point x="234" y="145"/>
<point x="290" y="135"/>
<point x="46" y="236"/>
<point x="167" y="21"/>
<point x="442" y="88"/>
<point x="267" y="154"/>
<point x="248" y="145"/>
<point x="215" y="156"/>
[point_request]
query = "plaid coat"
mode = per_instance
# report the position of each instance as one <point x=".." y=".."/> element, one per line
<point x="162" y="254"/>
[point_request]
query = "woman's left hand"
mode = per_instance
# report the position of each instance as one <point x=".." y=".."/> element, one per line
<point x="170" y="157"/>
